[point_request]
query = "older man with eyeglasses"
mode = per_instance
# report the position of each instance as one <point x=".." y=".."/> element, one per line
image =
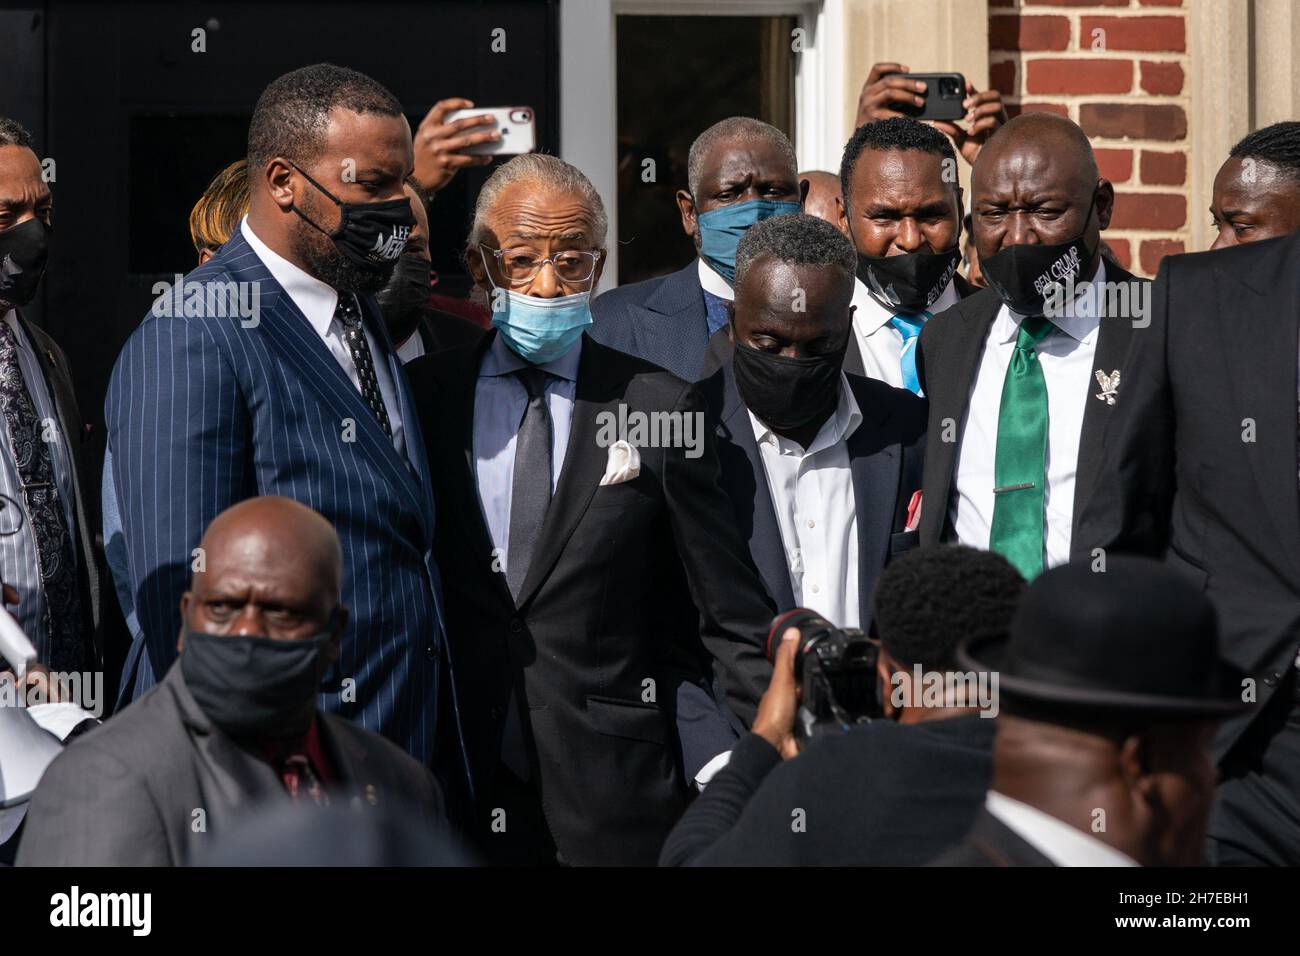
<point x="593" y="572"/>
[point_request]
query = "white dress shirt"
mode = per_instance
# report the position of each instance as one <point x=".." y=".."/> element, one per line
<point x="712" y="282"/>
<point x="412" y="348"/>
<point x="18" y="563"/>
<point x="879" y="342"/>
<point x="812" y="494"/>
<point x="500" y="401"/>
<point x="1065" y="355"/>
<point x="1061" y="843"/>
<point x="317" y="301"/>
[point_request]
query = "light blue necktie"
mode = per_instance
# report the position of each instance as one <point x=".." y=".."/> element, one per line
<point x="909" y="327"/>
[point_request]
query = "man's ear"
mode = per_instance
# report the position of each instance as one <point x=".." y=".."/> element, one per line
<point x="1105" y="203"/>
<point x="842" y="216"/>
<point x="185" y="617"/>
<point x="278" y="175"/>
<point x="600" y="269"/>
<point x="686" y="206"/>
<point x="804" y="186"/>
<point x="477" y="270"/>
<point x="885" y="674"/>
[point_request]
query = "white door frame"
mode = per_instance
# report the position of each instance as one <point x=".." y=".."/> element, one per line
<point x="589" y="74"/>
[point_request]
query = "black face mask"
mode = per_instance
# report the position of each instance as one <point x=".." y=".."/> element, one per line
<point x="253" y="687"/>
<point x="909" y="283"/>
<point x="23" y="251"/>
<point x="788" y="393"/>
<point x="371" y="235"/>
<point x="404" y="297"/>
<point x="1025" y="277"/>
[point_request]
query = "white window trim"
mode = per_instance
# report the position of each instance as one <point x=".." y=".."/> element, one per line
<point x="588" y="79"/>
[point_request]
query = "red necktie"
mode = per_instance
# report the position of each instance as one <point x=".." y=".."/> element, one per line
<point x="300" y="780"/>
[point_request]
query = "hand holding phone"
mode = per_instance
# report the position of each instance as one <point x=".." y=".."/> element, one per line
<point x="514" y="123"/>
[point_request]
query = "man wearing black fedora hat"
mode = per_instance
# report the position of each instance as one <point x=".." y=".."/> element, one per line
<point x="1110" y="689"/>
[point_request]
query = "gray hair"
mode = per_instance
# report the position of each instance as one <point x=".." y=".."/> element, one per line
<point x="547" y="172"/>
<point x="736" y="128"/>
<point x="13" y="133"/>
<point x="799" y="239"/>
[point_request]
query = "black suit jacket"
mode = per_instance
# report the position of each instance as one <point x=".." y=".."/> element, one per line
<point x="85" y="510"/>
<point x="662" y="320"/>
<point x="130" y="792"/>
<point x="882" y="794"/>
<point x="853" y="355"/>
<point x="603" y="610"/>
<point x="948" y="359"/>
<point x="992" y="843"/>
<point x="1201" y="455"/>
<point x="443" y="330"/>
<point x="885" y="458"/>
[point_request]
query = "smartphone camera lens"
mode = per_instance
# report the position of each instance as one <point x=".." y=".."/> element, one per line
<point x="948" y="87"/>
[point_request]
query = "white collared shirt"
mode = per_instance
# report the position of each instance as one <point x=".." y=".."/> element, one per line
<point x="412" y="348"/>
<point x="1061" y="843"/>
<point x="714" y="283"/>
<point x="1065" y="355"/>
<point x="317" y="301"/>
<point x="879" y="342"/>
<point x="500" y="401"/>
<point x="812" y="494"/>
<point x="18" y="564"/>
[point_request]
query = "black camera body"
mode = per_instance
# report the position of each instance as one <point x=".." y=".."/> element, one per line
<point x="835" y="669"/>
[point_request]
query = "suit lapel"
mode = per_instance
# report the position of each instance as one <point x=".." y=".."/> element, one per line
<point x="875" y="465"/>
<point x="676" y="310"/>
<point x="599" y="389"/>
<point x="853" y="356"/>
<point x="288" y="333"/>
<point x="1261" y="359"/>
<point x="1113" y="336"/>
<point x="765" y="544"/>
<point x="948" y="386"/>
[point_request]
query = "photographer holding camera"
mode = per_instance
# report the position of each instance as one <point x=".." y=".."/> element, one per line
<point x="894" y="789"/>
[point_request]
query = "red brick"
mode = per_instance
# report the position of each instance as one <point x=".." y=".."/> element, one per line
<point x="1115" y="164"/>
<point x="1081" y="3"/>
<point x="1002" y="3"/>
<point x="1153" y="250"/>
<point x="1121" y="249"/>
<point x="1015" y="109"/>
<point x="1149" y="211"/>
<point x="1163" y="34"/>
<point x="1133" y="121"/>
<point x="1164" y="169"/>
<point x="1162" y="3"/>
<point x="1002" y="77"/>
<point x="1028" y="33"/>
<point x="1079" y="76"/>
<point x="1162" y="79"/>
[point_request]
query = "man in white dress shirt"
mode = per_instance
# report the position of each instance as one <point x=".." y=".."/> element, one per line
<point x="1022" y="376"/>
<point x="1102" y="755"/>
<point x="901" y="206"/>
<point x="820" y="466"/>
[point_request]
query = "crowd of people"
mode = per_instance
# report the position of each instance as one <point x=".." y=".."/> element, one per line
<point x="507" y="580"/>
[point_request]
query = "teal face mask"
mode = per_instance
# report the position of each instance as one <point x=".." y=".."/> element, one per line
<point x="720" y="230"/>
<point x="538" y="330"/>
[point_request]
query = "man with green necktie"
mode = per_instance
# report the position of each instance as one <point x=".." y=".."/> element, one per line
<point x="1022" y="376"/>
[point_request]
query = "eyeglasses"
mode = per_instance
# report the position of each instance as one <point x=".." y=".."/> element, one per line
<point x="519" y="266"/>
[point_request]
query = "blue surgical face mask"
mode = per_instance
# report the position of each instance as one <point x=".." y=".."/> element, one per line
<point x="720" y="230"/>
<point x="540" y="330"/>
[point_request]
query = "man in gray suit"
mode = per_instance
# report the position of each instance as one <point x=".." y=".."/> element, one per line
<point x="234" y="724"/>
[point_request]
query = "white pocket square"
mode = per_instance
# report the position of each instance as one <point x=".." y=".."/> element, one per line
<point x="623" y="464"/>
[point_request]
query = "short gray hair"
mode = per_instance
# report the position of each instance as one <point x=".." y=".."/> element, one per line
<point x="798" y="239"/>
<point x="547" y="172"/>
<point x="13" y="133"/>
<point x="738" y="128"/>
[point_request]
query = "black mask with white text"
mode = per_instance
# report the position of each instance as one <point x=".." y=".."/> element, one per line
<point x="371" y="235"/>
<point x="911" y="282"/>
<point x="1026" y="277"/>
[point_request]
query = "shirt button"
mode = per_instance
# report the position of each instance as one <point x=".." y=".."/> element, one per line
<point x="431" y="652"/>
<point x="816" y="589"/>
<point x="812" y="523"/>
<point x="516" y="625"/>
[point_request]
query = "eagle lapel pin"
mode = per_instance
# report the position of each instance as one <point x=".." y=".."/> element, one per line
<point x="1109" y="386"/>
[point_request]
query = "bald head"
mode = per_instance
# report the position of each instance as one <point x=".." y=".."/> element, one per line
<point x="823" y="193"/>
<point x="1036" y="182"/>
<point x="270" y="567"/>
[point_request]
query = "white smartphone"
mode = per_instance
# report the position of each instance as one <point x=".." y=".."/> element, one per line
<point x="514" y="123"/>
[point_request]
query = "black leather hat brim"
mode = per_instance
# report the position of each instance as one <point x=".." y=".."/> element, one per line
<point x="986" y="654"/>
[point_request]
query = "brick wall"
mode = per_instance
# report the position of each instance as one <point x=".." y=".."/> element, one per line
<point x="1118" y="68"/>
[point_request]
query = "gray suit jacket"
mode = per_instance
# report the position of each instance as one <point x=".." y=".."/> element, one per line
<point x="158" y="783"/>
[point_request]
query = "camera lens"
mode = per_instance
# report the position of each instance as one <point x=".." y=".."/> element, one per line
<point x="949" y="87"/>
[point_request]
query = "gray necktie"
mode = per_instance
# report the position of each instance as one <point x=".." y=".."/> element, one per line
<point x="530" y="494"/>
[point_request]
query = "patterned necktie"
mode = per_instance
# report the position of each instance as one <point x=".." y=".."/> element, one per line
<point x="349" y="316"/>
<point x="1020" y="475"/>
<point x="909" y="327"/>
<point x="530" y="492"/>
<point x="299" y="779"/>
<point x="716" y="315"/>
<point x="55" y="554"/>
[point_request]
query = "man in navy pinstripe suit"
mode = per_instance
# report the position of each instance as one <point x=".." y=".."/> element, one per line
<point x="276" y="377"/>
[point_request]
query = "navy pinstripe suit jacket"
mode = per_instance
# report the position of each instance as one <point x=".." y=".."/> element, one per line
<point x="203" y="412"/>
